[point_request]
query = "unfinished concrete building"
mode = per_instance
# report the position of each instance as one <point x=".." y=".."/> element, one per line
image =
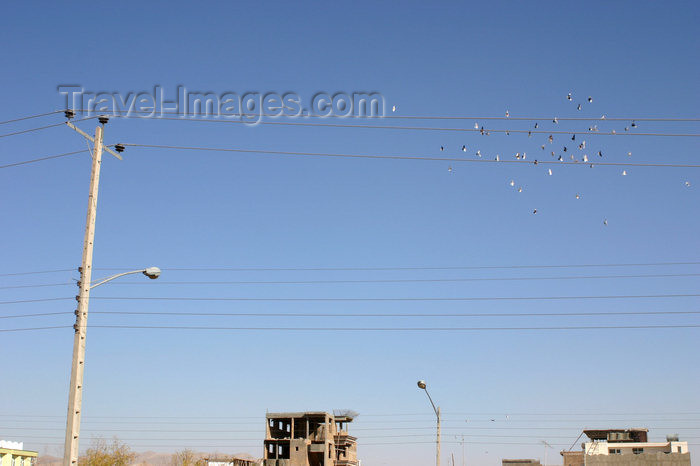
<point x="309" y="439"/>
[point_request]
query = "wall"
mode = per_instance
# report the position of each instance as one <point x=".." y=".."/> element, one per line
<point x="644" y="459"/>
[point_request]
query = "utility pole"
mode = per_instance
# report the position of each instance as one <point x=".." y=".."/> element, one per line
<point x="75" y="397"/>
<point x="437" y="460"/>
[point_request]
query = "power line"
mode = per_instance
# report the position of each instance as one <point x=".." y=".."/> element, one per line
<point x="406" y="280"/>
<point x="40" y="128"/>
<point x="403" y="157"/>
<point x="392" y="116"/>
<point x="471" y="298"/>
<point x="474" y="267"/>
<point x="312" y="314"/>
<point x="413" y="128"/>
<point x="401" y="280"/>
<point x="12" y="274"/>
<point x="37" y="116"/>
<point x="38" y="300"/>
<point x="322" y="314"/>
<point x="41" y="159"/>
<point x="366" y="329"/>
<point x="379" y="268"/>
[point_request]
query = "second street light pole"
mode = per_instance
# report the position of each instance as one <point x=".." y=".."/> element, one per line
<point x="423" y="386"/>
<point x="75" y="397"/>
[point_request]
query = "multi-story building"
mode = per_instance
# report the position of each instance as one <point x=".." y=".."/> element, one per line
<point x="14" y="454"/>
<point x="309" y="439"/>
<point x="628" y="447"/>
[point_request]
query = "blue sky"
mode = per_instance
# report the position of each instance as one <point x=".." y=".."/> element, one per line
<point x="195" y="209"/>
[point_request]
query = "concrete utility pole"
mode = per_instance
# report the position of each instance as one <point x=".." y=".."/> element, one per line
<point x="75" y="394"/>
<point x="75" y="397"/>
<point x="423" y="386"/>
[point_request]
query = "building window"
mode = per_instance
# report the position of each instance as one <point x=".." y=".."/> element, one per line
<point x="638" y="451"/>
<point x="614" y="451"/>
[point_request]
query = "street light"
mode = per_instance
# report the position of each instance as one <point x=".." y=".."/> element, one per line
<point x="75" y="394"/>
<point x="423" y="386"/>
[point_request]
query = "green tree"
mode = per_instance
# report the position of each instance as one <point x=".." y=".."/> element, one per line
<point x="103" y="453"/>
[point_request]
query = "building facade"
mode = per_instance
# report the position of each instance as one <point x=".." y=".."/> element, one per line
<point x="309" y="439"/>
<point x="14" y="454"/>
<point x="628" y="447"/>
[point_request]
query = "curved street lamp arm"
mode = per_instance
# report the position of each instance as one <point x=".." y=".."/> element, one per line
<point x="431" y="402"/>
<point x="116" y="276"/>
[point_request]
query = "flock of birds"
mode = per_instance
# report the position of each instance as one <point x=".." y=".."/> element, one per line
<point x="575" y="150"/>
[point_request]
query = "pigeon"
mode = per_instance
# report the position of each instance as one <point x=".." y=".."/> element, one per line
<point x="585" y="158"/>
<point x="579" y="107"/>
<point x="476" y="125"/>
<point x="687" y="184"/>
<point x="551" y="138"/>
<point x="449" y="169"/>
<point x="442" y="148"/>
<point x="583" y="145"/>
<point x="561" y="159"/>
<point x="569" y="96"/>
<point x="517" y="156"/>
<point x="393" y="109"/>
<point x="520" y="189"/>
<point x="524" y="155"/>
<point x="605" y="222"/>
<point x="507" y="113"/>
<point x="507" y="133"/>
<point x="529" y="134"/>
<point x="590" y="99"/>
<point x="512" y="183"/>
<point x="550" y="172"/>
<point x="537" y="125"/>
<point x="498" y="158"/>
<point x="535" y="162"/>
<point x="624" y="172"/>
<point x="481" y="130"/>
<point x="478" y="152"/>
<point x="555" y="120"/>
<point x="573" y="137"/>
<point x="600" y="153"/>
<point x="542" y="146"/>
<point x="564" y="148"/>
<point x="534" y="212"/>
<point x="634" y="125"/>
<point x="627" y="128"/>
<point x="614" y="132"/>
<point x="629" y="154"/>
<point x="578" y="196"/>
<point x="464" y="148"/>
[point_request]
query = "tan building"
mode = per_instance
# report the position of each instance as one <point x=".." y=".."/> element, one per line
<point x="627" y="447"/>
<point x="309" y="439"/>
<point x="14" y="454"/>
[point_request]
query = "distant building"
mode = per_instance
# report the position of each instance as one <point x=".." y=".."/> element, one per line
<point x="521" y="463"/>
<point x="309" y="439"/>
<point x="230" y="462"/>
<point x="628" y="447"/>
<point x="14" y="454"/>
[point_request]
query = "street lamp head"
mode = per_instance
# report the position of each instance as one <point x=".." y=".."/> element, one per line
<point x="422" y="385"/>
<point x="152" y="272"/>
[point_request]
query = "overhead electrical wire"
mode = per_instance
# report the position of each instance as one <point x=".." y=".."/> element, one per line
<point x="328" y="314"/>
<point x="348" y="299"/>
<point x="118" y="112"/>
<point x="40" y="128"/>
<point x="37" y="116"/>
<point x="366" y="329"/>
<point x="366" y="281"/>
<point x="403" y="157"/>
<point x="413" y="128"/>
<point x="378" y="268"/>
<point x="41" y="159"/>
